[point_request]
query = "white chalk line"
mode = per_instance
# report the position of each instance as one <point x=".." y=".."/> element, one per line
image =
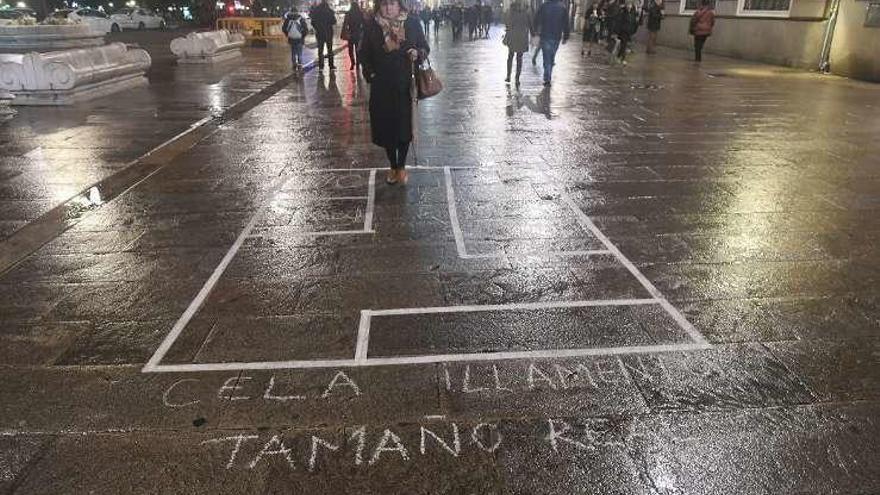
<point x="362" y="344"/>
<point x="206" y="289"/>
<point x="244" y="235"/>
<point x="511" y="307"/>
<point x="427" y="359"/>
<point x="676" y="315"/>
<point x="376" y="169"/>
<point x="363" y="338"/>
<point x="261" y="235"/>
<point x="546" y="254"/>
<point x="461" y="247"/>
<point x="371" y="202"/>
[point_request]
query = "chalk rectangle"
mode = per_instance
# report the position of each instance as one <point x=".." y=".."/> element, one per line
<point x="522" y="329"/>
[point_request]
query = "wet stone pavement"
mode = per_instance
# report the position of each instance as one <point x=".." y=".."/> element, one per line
<point x="657" y="279"/>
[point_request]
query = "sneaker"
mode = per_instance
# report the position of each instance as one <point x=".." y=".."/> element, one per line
<point x="623" y="62"/>
<point x="547" y="83"/>
<point x="391" y="178"/>
<point x="507" y="79"/>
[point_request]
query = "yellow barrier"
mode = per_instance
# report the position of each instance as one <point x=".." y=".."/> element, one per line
<point x="253" y="28"/>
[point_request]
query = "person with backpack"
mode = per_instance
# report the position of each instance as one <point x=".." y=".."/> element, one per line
<point x="701" y="26"/>
<point x="323" y="20"/>
<point x="352" y="31"/>
<point x="392" y="43"/>
<point x="296" y="29"/>
<point x="551" y="22"/>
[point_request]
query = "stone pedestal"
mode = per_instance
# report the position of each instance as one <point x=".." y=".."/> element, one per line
<point x="207" y="47"/>
<point x="68" y="76"/>
<point x="6" y="112"/>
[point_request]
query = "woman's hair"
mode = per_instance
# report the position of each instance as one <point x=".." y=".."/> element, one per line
<point x="377" y="4"/>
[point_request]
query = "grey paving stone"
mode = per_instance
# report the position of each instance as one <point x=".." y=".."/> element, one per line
<point x="724" y="377"/>
<point x="17" y="454"/>
<point x="776" y="450"/>
<point x="844" y="370"/>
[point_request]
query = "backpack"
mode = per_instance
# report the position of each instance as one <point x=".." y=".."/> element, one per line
<point x="293" y="31"/>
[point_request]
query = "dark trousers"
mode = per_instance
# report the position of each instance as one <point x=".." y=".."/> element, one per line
<point x="624" y="41"/>
<point x="352" y="53"/>
<point x="397" y="156"/>
<point x="456" y="30"/>
<point x="322" y="44"/>
<point x="519" y="56"/>
<point x="699" y="41"/>
<point x="427" y="27"/>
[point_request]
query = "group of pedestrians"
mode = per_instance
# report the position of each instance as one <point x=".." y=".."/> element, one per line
<point x="388" y="43"/>
<point x="617" y="21"/>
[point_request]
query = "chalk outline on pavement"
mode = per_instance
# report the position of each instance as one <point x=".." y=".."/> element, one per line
<point x="361" y="358"/>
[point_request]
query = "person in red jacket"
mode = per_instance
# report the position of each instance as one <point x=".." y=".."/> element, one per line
<point x="701" y="27"/>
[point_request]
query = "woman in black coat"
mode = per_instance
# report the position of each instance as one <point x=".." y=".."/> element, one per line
<point x="391" y="44"/>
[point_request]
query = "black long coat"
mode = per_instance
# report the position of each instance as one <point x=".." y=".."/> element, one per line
<point x="389" y="75"/>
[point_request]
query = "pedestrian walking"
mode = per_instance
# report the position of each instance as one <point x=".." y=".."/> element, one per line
<point x="473" y="20"/>
<point x="438" y="19"/>
<point x="625" y="23"/>
<point x="425" y="15"/>
<point x="702" y="23"/>
<point x="518" y="28"/>
<point x="296" y="29"/>
<point x="552" y="25"/>
<point x="391" y="45"/>
<point x="323" y="19"/>
<point x="591" y="29"/>
<point x="653" y="11"/>
<point x="353" y="31"/>
<point x="456" y="18"/>
<point x="486" y="19"/>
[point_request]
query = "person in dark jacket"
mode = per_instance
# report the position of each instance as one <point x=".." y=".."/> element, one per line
<point x="653" y="10"/>
<point x="296" y="29"/>
<point x="518" y="26"/>
<point x="353" y="31"/>
<point x="456" y="18"/>
<point x="551" y="22"/>
<point x="486" y="19"/>
<point x="392" y="43"/>
<point x="323" y="19"/>
<point x="473" y="20"/>
<point x="591" y="29"/>
<point x="426" y="15"/>
<point x="701" y="27"/>
<point x="626" y="23"/>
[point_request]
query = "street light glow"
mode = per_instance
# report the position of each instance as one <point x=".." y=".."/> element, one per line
<point x="21" y="5"/>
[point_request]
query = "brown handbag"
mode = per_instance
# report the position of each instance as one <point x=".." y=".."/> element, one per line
<point x="427" y="81"/>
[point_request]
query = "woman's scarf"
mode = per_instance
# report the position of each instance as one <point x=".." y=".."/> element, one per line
<point x="393" y="30"/>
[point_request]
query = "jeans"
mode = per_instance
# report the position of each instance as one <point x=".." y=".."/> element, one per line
<point x="296" y="52"/>
<point x="322" y="43"/>
<point x="548" y="50"/>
